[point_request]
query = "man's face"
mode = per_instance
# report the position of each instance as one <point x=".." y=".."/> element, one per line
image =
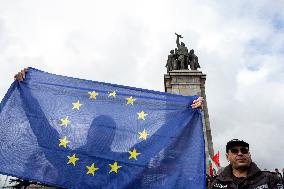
<point x="239" y="157"/>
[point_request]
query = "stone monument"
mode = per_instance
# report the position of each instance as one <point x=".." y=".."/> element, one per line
<point x="180" y="80"/>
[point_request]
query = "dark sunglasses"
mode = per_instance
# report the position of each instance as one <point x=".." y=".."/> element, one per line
<point x="237" y="150"/>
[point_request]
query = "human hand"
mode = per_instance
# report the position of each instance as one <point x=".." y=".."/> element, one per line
<point x="197" y="103"/>
<point x="20" y="76"/>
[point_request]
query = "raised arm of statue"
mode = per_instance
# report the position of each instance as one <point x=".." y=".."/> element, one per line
<point x="177" y="41"/>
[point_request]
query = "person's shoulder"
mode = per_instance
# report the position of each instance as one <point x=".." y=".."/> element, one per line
<point x="269" y="174"/>
<point x="274" y="179"/>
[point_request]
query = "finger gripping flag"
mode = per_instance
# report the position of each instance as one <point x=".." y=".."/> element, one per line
<point x="75" y="133"/>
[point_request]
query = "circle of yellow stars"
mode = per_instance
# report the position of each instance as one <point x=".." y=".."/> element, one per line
<point x="91" y="169"/>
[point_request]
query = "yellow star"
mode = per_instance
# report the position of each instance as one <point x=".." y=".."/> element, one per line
<point x="76" y="105"/>
<point x="63" y="142"/>
<point x="72" y="159"/>
<point x="130" y="100"/>
<point x="141" y="115"/>
<point x="65" y="122"/>
<point x="114" y="167"/>
<point x="143" y="134"/>
<point x="113" y="94"/>
<point x="91" y="169"/>
<point x="93" y="95"/>
<point x="133" y="154"/>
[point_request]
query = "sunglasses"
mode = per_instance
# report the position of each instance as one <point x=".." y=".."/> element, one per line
<point x="237" y="150"/>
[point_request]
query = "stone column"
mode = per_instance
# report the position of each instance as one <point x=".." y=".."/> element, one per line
<point x="189" y="83"/>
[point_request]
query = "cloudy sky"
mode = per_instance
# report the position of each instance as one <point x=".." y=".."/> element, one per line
<point x="240" y="45"/>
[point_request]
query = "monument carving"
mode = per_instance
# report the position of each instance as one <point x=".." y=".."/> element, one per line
<point x="180" y="58"/>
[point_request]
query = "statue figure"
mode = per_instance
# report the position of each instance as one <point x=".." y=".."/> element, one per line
<point x="182" y="53"/>
<point x="171" y="62"/>
<point x="193" y="60"/>
<point x="180" y="59"/>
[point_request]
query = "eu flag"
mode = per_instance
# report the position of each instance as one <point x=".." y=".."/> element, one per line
<point x="76" y="133"/>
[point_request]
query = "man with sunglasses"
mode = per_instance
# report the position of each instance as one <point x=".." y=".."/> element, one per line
<point x="242" y="173"/>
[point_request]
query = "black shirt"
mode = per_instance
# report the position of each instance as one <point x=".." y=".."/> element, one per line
<point x="238" y="180"/>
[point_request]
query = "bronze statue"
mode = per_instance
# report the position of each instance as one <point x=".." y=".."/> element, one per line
<point x="180" y="59"/>
<point x="182" y="53"/>
<point x="171" y="62"/>
<point x="193" y="60"/>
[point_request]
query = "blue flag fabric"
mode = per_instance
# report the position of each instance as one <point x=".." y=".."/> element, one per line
<point x="75" y="133"/>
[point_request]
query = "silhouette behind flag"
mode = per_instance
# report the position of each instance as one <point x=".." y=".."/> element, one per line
<point x="76" y="133"/>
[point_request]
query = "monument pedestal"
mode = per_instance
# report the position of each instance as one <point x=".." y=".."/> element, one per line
<point x="189" y="83"/>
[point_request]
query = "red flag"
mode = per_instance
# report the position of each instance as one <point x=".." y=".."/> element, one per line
<point x="213" y="169"/>
<point x="210" y="168"/>
<point x="216" y="159"/>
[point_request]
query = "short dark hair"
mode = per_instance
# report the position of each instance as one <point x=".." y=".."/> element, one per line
<point x="236" y="142"/>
